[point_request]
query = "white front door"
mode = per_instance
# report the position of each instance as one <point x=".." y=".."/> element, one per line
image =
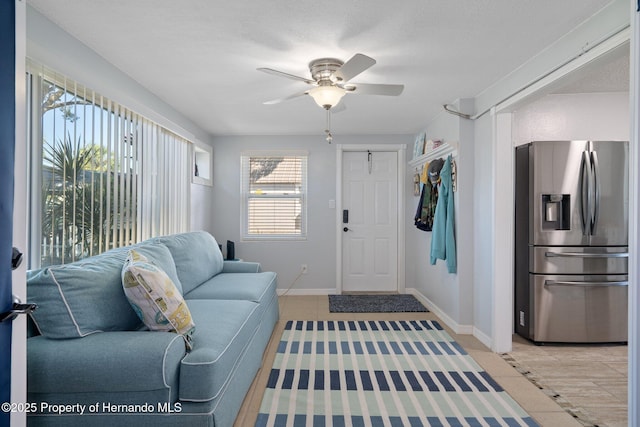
<point x="370" y="221"/>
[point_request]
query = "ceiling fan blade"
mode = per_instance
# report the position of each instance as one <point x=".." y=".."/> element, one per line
<point x="286" y="98"/>
<point x="287" y="75"/>
<point x="356" y="65"/>
<point x="374" y="89"/>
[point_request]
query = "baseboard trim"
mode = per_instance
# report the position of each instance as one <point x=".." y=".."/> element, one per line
<point x="281" y="292"/>
<point x="482" y="337"/>
<point x="455" y="326"/>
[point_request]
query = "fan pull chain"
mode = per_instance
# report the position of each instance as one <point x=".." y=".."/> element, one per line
<point x="328" y="129"/>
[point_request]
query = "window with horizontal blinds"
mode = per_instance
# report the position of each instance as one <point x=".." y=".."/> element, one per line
<point x="274" y="187"/>
<point x="102" y="176"/>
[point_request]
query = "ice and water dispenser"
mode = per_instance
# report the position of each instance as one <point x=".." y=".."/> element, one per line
<point x="556" y="211"/>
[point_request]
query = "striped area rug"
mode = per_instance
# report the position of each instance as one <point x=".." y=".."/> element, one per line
<point x="380" y="373"/>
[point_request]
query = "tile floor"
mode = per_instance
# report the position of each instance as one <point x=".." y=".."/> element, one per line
<point x="589" y="381"/>
<point x="546" y="411"/>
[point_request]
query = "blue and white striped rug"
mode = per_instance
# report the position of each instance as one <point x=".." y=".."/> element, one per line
<point x="380" y="373"/>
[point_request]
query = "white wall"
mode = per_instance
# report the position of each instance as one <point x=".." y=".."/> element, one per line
<point x="449" y="295"/>
<point x="466" y="225"/>
<point x="201" y="205"/>
<point x="285" y="258"/>
<point x="483" y="238"/>
<point x="584" y="116"/>
<point x="432" y="281"/>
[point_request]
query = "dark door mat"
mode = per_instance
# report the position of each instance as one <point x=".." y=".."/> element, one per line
<point x="375" y="304"/>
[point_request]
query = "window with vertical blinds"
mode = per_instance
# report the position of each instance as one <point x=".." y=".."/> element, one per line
<point x="102" y="176"/>
<point x="274" y="187"/>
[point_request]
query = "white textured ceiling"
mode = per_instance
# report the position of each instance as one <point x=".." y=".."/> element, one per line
<point x="200" y="56"/>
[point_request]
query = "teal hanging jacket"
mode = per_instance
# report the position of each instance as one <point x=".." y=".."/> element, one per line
<point x="443" y="240"/>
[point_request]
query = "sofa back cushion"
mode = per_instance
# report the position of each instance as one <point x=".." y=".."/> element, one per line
<point x="85" y="297"/>
<point x="196" y="255"/>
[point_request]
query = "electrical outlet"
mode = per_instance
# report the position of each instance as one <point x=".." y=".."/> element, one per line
<point x="303" y="268"/>
<point x="522" y="318"/>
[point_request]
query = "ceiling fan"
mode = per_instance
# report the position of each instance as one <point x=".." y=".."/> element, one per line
<point x="331" y="80"/>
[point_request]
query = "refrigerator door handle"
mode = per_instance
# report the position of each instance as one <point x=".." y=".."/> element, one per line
<point x="586" y="255"/>
<point x="584" y="284"/>
<point x="585" y="181"/>
<point x="596" y="192"/>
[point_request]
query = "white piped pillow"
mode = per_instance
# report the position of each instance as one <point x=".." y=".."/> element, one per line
<point x="154" y="297"/>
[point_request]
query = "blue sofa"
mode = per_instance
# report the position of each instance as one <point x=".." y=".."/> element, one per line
<point x="91" y="362"/>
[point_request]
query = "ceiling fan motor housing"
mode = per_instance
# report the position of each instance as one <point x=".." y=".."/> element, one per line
<point x="323" y="69"/>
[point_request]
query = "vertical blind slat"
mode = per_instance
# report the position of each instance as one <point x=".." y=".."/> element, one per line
<point x="64" y="174"/>
<point x="92" y="223"/>
<point x="110" y="172"/>
<point x="102" y="218"/>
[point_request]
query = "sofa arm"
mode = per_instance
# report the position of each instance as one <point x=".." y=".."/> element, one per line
<point x="241" y="267"/>
<point x="105" y="362"/>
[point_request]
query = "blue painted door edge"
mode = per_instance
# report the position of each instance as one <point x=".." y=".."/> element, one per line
<point x="7" y="152"/>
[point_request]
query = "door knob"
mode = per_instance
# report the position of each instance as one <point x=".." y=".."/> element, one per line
<point x="346" y="229"/>
<point x="16" y="258"/>
<point x="16" y="309"/>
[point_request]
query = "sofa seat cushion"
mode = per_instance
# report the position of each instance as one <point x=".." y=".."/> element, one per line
<point x="114" y="362"/>
<point x="236" y="286"/>
<point x="226" y="329"/>
<point x="84" y="297"/>
<point x="196" y="255"/>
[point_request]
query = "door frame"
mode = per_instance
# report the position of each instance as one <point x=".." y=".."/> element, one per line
<point x="19" y="277"/>
<point x="400" y="149"/>
<point x="633" y="388"/>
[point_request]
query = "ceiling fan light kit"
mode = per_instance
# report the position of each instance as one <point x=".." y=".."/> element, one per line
<point x="327" y="96"/>
<point x="330" y="77"/>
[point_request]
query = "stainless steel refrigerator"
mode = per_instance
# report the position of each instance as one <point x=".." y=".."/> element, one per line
<point x="571" y="237"/>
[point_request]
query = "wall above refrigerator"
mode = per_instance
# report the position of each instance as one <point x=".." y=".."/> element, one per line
<point x="590" y="103"/>
<point x="582" y="116"/>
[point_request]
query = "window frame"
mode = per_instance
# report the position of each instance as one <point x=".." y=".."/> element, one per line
<point x="246" y="196"/>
